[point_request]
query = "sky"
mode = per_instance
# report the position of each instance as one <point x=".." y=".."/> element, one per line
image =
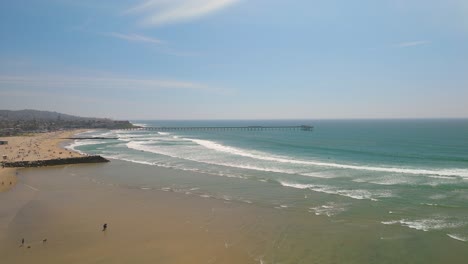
<point x="236" y="59"/>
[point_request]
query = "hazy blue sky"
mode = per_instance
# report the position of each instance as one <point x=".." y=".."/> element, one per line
<point x="223" y="59"/>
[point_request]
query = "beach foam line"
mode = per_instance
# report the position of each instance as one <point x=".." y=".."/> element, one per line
<point x="389" y="181"/>
<point x="265" y="156"/>
<point x="458" y="237"/>
<point x="139" y="145"/>
<point x="329" y="209"/>
<point x="129" y="160"/>
<point x="118" y="157"/>
<point x="355" y="194"/>
<point x="142" y="145"/>
<point x="79" y="143"/>
<point x="426" y="224"/>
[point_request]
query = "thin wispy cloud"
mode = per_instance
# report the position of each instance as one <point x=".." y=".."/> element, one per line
<point x="161" y="47"/>
<point x="135" y="38"/>
<point x="412" y="43"/>
<point x="160" y="12"/>
<point x="99" y="83"/>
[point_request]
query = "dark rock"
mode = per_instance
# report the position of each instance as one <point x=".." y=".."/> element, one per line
<point x="54" y="162"/>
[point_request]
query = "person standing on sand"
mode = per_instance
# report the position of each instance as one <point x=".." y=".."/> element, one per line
<point x="104" y="227"/>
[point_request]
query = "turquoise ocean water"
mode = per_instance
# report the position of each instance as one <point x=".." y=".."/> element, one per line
<point x="406" y="174"/>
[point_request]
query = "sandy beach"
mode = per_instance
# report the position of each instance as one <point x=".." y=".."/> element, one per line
<point x="40" y="146"/>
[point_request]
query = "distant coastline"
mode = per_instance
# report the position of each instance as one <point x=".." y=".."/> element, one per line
<point x="21" y="122"/>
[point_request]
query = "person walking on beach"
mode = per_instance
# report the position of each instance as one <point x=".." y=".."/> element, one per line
<point x="22" y="242"/>
<point x="104" y="227"/>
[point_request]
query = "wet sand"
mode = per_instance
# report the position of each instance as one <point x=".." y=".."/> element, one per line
<point x="7" y="178"/>
<point x="143" y="226"/>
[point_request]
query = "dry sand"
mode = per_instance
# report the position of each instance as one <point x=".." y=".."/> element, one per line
<point x="41" y="146"/>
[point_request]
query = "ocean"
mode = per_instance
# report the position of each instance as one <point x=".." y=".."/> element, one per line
<point x="404" y="181"/>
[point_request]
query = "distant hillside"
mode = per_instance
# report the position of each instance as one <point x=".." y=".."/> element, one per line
<point x="26" y="121"/>
<point x="29" y="114"/>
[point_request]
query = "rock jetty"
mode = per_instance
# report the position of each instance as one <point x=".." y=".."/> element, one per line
<point x="54" y="162"/>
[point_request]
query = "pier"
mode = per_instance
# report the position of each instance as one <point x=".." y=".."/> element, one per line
<point x="242" y="128"/>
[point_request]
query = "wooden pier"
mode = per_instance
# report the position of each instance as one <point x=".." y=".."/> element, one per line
<point x="245" y="128"/>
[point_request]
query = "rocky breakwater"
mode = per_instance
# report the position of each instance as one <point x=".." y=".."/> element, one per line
<point x="54" y="162"/>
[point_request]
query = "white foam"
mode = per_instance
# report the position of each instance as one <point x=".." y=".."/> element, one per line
<point x="390" y="181"/>
<point x="265" y="156"/>
<point x="79" y="143"/>
<point x="119" y="157"/>
<point x="319" y="175"/>
<point x="355" y="194"/>
<point x="438" y="196"/>
<point x="330" y="209"/>
<point x="426" y="224"/>
<point x="442" y="177"/>
<point x="297" y="185"/>
<point x="129" y="160"/>
<point x="390" y="222"/>
<point x="430" y="204"/>
<point x="458" y="237"/>
<point x="194" y="155"/>
<point x="140" y="145"/>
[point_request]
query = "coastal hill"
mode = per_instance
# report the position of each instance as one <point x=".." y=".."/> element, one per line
<point x="26" y="121"/>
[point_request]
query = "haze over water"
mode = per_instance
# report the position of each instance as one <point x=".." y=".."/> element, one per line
<point x="404" y="178"/>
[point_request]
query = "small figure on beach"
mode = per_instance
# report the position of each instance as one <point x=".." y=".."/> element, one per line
<point x="104" y="227"/>
<point x="22" y="242"/>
